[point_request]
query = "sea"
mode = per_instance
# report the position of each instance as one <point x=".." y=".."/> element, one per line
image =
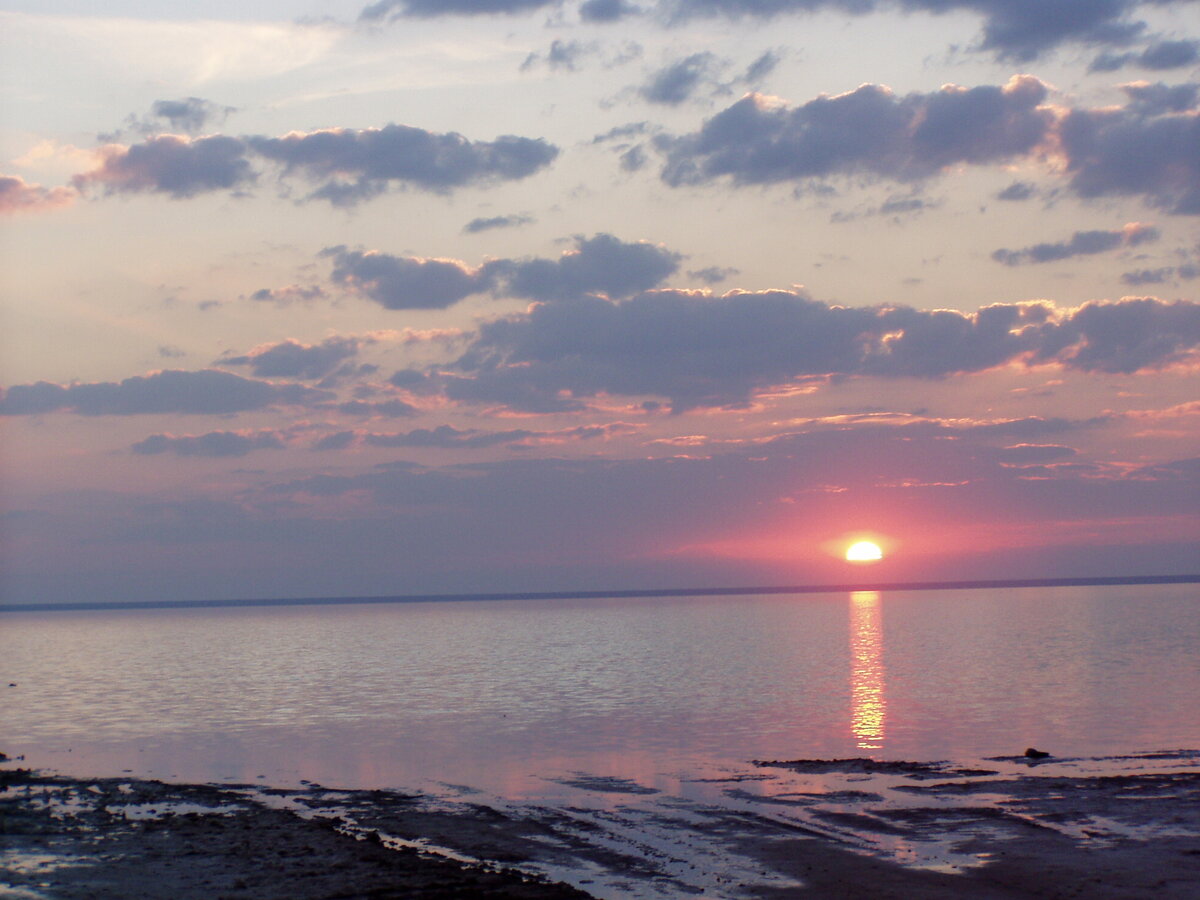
<point x="517" y="697"/>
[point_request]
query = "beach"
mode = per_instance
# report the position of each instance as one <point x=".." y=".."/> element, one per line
<point x="1120" y="827"/>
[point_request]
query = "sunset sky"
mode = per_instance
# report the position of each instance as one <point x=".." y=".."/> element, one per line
<point x="307" y="298"/>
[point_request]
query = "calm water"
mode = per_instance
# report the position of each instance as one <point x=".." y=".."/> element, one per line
<point x="490" y="694"/>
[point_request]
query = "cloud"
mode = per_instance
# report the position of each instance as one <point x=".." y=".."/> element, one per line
<point x="1147" y="276"/>
<point x="1012" y="29"/>
<point x="1157" y="57"/>
<point x="357" y="164"/>
<point x="347" y="166"/>
<point x="404" y="282"/>
<point x="1017" y="191"/>
<point x="712" y="274"/>
<point x="870" y="130"/>
<point x="170" y="164"/>
<point x="763" y="66"/>
<point x="18" y="196"/>
<point x="291" y="359"/>
<point x="390" y="10"/>
<point x="1159" y="99"/>
<point x="1082" y="243"/>
<point x="700" y="350"/>
<point x="1132" y="335"/>
<point x="1142" y="277"/>
<point x="206" y="392"/>
<point x="562" y="55"/>
<point x="491" y="222"/>
<point x="1034" y="454"/>
<point x="600" y="264"/>
<point x="1146" y="148"/>
<point x="678" y="81"/>
<point x="1123" y="152"/>
<point x="288" y="294"/>
<point x="191" y="114"/>
<point x="393" y="408"/>
<point x="600" y="11"/>
<point x="446" y="437"/>
<point x="212" y="444"/>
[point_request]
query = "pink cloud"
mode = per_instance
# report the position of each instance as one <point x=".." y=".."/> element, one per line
<point x="18" y="196"/>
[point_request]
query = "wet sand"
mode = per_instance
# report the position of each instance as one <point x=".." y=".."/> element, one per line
<point x="1123" y="827"/>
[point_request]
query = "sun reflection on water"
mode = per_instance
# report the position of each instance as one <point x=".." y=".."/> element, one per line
<point x="868" y="709"/>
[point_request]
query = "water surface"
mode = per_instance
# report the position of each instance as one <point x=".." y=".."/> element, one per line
<point x="501" y="695"/>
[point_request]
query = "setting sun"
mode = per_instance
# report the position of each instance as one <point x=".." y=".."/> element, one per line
<point x="863" y="551"/>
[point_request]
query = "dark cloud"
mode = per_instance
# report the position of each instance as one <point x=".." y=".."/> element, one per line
<point x="600" y="264"/>
<point x="606" y="10"/>
<point x="1082" y="243"/>
<point x="712" y="274"/>
<point x="1017" y="191"/>
<point x="1147" y="276"/>
<point x="17" y="195"/>
<point x="338" y="440"/>
<point x="191" y="114"/>
<point x="678" y="81"/>
<point x="622" y="132"/>
<point x="206" y="392"/>
<point x="867" y="131"/>
<point x="1157" y="57"/>
<point x="634" y="159"/>
<point x="1170" y="55"/>
<point x="361" y="163"/>
<point x="1115" y="152"/>
<point x="562" y="55"/>
<point x="698" y="350"/>
<point x="393" y="408"/>
<point x="213" y="444"/>
<point x="1146" y="148"/>
<point x="1133" y="335"/>
<point x="763" y="66"/>
<point x="446" y="437"/>
<point x="291" y="359"/>
<point x="390" y="10"/>
<point x="1032" y="454"/>
<point x="173" y="165"/>
<point x="348" y="166"/>
<point x="1159" y="99"/>
<point x="1012" y="29"/>
<point x="288" y="294"/>
<point x="404" y="282"/>
<point x="491" y="222"/>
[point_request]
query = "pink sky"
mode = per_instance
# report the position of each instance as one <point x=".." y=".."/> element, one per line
<point x="318" y="300"/>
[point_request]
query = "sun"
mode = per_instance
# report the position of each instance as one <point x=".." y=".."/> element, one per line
<point x="863" y="552"/>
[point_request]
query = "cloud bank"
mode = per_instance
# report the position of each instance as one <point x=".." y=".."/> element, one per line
<point x="206" y="392"/>
<point x="698" y="350"/>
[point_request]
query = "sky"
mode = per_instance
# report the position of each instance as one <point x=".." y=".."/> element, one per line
<point x="310" y="298"/>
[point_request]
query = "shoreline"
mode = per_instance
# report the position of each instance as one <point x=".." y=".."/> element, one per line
<point x="1107" y="828"/>
<point x="626" y="594"/>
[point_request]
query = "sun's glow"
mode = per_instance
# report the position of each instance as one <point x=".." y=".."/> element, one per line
<point x="863" y="551"/>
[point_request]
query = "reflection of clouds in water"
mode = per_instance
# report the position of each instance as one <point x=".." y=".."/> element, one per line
<point x="868" y="706"/>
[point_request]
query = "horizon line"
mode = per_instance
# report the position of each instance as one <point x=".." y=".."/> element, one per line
<point x="982" y="584"/>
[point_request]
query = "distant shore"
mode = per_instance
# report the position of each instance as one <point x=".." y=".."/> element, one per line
<point x="984" y="584"/>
